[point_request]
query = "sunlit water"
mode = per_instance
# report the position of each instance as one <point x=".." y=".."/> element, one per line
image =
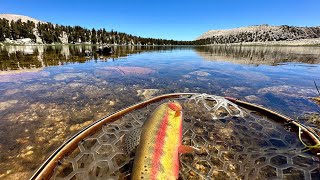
<point x="47" y="93"/>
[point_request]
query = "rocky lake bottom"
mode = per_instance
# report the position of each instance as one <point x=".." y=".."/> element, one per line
<point x="48" y="93"/>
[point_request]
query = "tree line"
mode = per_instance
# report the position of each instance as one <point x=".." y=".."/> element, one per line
<point x="16" y="29"/>
<point x="49" y="33"/>
<point x="52" y="33"/>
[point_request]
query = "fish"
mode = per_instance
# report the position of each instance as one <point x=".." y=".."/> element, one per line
<point x="160" y="143"/>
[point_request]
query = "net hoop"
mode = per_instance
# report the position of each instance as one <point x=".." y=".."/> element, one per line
<point x="46" y="169"/>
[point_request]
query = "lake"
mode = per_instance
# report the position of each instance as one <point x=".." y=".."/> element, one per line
<point x="48" y="93"/>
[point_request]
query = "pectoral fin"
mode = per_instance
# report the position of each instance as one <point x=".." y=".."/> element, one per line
<point x="187" y="149"/>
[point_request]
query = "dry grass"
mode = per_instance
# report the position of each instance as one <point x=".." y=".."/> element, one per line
<point x="314" y="118"/>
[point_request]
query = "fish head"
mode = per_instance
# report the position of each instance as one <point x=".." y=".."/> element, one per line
<point x="175" y="109"/>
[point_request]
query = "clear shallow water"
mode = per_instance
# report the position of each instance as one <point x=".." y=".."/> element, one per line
<point x="49" y="93"/>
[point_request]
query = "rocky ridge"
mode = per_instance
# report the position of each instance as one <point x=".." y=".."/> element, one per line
<point x="16" y="17"/>
<point x="250" y="35"/>
<point x="25" y="19"/>
<point x="260" y="33"/>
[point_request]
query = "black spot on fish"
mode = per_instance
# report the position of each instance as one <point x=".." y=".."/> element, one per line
<point x="161" y="168"/>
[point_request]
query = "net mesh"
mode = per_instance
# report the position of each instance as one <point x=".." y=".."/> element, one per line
<point x="234" y="143"/>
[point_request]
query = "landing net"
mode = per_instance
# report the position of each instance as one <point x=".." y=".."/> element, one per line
<point x="234" y="143"/>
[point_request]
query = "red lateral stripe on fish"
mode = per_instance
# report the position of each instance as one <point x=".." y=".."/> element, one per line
<point x="159" y="145"/>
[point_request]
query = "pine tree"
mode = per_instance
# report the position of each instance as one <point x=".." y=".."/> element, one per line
<point x="93" y="36"/>
<point x="2" y="30"/>
<point x="14" y="30"/>
<point x="87" y="35"/>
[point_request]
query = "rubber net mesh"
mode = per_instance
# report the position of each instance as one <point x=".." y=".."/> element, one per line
<point x="235" y="144"/>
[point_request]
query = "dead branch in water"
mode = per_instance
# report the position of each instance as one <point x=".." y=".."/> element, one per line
<point x="316" y="86"/>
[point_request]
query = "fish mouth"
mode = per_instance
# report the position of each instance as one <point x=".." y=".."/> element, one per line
<point x="175" y="106"/>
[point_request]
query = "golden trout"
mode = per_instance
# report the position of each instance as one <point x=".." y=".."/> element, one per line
<point x="157" y="155"/>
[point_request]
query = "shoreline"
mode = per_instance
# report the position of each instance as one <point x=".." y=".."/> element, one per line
<point x="85" y="44"/>
<point x="268" y="43"/>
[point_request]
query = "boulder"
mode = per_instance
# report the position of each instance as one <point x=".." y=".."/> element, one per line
<point x="63" y="38"/>
<point x="105" y="50"/>
<point x="88" y="53"/>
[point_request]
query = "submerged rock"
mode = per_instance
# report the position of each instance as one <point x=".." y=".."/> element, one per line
<point x="251" y="76"/>
<point x="22" y="75"/>
<point x="186" y="76"/>
<point x="7" y="104"/>
<point x="36" y="87"/>
<point x="252" y="98"/>
<point x="124" y="70"/>
<point x="147" y="93"/>
<point x="94" y="91"/>
<point x="76" y="85"/>
<point x="200" y="73"/>
<point x="287" y="90"/>
<point x="112" y="103"/>
<point x="65" y="76"/>
<point x="77" y="127"/>
<point x="238" y="88"/>
<point x="11" y="92"/>
<point x="14" y="175"/>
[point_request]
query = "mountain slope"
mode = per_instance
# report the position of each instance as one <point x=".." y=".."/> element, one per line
<point x="16" y="17"/>
<point x="261" y="33"/>
<point x="42" y="32"/>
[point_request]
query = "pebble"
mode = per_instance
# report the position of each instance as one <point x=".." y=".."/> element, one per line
<point x="147" y="93"/>
<point x="111" y="103"/>
<point x="252" y="98"/>
<point x="77" y="127"/>
<point x="26" y="154"/>
<point x="200" y="73"/>
<point x="7" y="104"/>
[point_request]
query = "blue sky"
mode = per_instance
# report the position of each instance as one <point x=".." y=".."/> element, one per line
<point x="169" y="19"/>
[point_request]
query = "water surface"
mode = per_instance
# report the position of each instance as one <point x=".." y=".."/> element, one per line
<point x="48" y="93"/>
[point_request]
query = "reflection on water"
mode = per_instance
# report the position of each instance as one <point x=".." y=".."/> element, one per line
<point x="260" y="54"/>
<point x="27" y="57"/>
<point x="48" y="93"/>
